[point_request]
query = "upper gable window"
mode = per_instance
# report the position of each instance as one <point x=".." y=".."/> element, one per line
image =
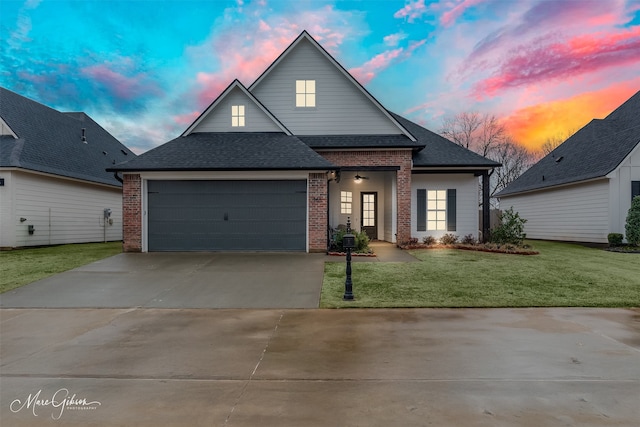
<point x="305" y="93"/>
<point x="237" y="116"/>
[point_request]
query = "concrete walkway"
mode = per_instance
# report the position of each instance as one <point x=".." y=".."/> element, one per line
<point x="404" y="367"/>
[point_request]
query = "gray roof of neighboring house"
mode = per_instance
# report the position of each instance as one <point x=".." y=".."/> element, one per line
<point x="229" y="151"/>
<point x="593" y="152"/>
<point x="440" y="152"/>
<point x="50" y="141"/>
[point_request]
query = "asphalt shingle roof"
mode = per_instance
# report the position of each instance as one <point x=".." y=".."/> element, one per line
<point x="440" y="152"/>
<point x="229" y="151"/>
<point x="592" y="152"/>
<point x="51" y="141"/>
<point x="359" y="141"/>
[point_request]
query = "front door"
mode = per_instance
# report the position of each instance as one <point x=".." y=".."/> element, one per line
<point x="369" y="214"/>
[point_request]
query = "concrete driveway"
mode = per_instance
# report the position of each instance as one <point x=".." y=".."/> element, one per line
<point x="181" y="280"/>
<point x="404" y="367"/>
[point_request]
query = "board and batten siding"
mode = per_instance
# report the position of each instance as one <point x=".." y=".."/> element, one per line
<point x="467" y="202"/>
<point x="219" y="119"/>
<point x="576" y="213"/>
<point x="61" y="211"/>
<point x="341" y="107"/>
<point x="7" y="234"/>
<point x="620" y="195"/>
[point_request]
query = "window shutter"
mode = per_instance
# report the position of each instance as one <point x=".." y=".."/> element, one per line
<point x="451" y="209"/>
<point x="421" y="215"/>
<point x="635" y="189"/>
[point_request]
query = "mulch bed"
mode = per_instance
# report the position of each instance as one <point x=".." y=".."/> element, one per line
<point x="479" y="248"/>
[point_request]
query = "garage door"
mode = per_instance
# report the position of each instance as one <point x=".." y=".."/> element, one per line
<point x="227" y="215"/>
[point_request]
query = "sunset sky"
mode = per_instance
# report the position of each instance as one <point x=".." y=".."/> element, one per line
<point x="145" y="69"/>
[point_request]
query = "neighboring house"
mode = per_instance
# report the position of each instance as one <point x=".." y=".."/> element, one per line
<point x="277" y="165"/>
<point x="583" y="189"/>
<point x="54" y="187"/>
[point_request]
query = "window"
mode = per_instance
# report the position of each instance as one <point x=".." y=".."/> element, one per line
<point x="437" y="210"/>
<point x="345" y="202"/>
<point x="305" y="93"/>
<point x="635" y="189"/>
<point x="237" y="116"/>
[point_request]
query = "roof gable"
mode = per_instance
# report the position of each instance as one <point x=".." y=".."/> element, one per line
<point x="593" y="152"/>
<point x="52" y="142"/>
<point x="347" y="102"/>
<point x="217" y="116"/>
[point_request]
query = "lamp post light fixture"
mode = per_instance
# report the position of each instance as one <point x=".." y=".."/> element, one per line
<point x="348" y="243"/>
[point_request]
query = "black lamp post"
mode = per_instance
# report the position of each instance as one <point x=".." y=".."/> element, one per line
<point x="348" y="243"/>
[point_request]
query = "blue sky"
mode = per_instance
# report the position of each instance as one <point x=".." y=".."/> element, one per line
<point x="144" y="69"/>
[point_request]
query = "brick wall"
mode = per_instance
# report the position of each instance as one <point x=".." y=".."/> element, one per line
<point x="400" y="158"/>
<point x="132" y="213"/>
<point x="317" y="212"/>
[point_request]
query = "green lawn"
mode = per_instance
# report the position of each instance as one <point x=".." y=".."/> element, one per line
<point x="23" y="266"/>
<point x="562" y="275"/>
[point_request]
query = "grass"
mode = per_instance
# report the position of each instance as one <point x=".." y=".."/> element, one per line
<point x="22" y="266"/>
<point x="562" y="275"/>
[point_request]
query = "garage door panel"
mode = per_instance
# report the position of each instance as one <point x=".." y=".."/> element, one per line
<point x="226" y="215"/>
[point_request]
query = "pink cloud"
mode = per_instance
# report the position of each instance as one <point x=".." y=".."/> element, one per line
<point x="186" y="119"/>
<point x="394" y="39"/>
<point x="126" y="88"/>
<point x="541" y="61"/>
<point x="248" y="56"/>
<point x="366" y="72"/>
<point x="412" y="11"/>
<point x="448" y="18"/>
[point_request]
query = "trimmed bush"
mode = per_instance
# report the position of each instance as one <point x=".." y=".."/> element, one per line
<point x="429" y="240"/>
<point x="469" y="239"/>
<point x="632" y="228"/>
<point x="615" y="239"/>
<point x="449" y="239"/>
<point x="362" y="240"/>
<point x="510" y="229"/>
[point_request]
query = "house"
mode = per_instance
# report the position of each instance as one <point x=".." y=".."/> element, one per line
<point x="582" y="190"/>
<point x="305" y="148"/>
<point x="54" y="188"/>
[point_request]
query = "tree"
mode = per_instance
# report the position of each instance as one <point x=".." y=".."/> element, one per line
<point x="632" y="228"/>
<point x="487" y="136"/>
<point x="552" y="142"/>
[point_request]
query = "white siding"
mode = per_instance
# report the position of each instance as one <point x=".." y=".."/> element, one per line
<point x="62" y="211"/>
<point x="341" y="108"/>
<point x="620" y="196"/>
<point x="578" y="213"/>
<point x="467" y="213"/>
<point x="219" y="119"/>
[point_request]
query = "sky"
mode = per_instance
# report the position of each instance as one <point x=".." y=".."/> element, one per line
<point x="145" y="69"/>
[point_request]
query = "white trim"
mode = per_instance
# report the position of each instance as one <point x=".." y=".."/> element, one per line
<point x="3" y="126"/>
<point x="227" y="175"/>
<point x="461" y="169"/>
<point x="305" y="36"/>
<point x="235" y="84"/>
<point x="614" y="172"/>
<point x="52" y="175"/>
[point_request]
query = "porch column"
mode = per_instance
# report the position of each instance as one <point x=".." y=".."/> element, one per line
<point x="403" y="185"/>
<point x="486" y="207"/>
<point x="318" y="217"/>
<point x="132" y="213"/>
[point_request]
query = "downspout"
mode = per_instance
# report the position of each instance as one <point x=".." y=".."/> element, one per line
<point x="115" y="175"/>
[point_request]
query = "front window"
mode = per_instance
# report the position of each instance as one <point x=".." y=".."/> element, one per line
<point x="305" y="93"/>
<point x="436" y="210"/>
<point x="345" y="202"/>
<point x="237" y="116"/>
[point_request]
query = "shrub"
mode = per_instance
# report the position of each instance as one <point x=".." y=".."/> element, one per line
<point x="469" y="239"/>
<point x="429" y="240"/>
<point x="510" y="229"/>
<point x="449" y="239"/>
<point x="632" y="228"/>
<point x="412" y="241"/>
<point x="615" y="239"/>
<point x="362" y="240"/>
